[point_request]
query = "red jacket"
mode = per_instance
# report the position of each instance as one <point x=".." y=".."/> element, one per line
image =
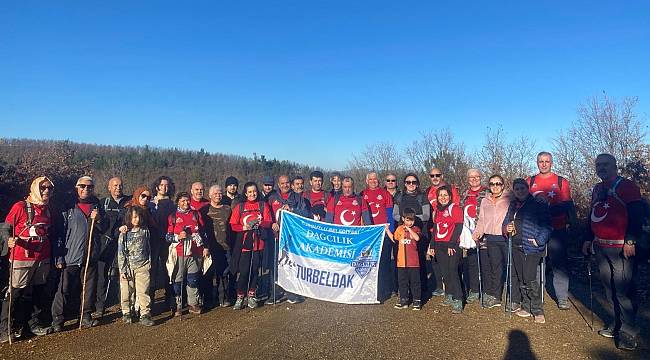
<point x="251" y="212"/>
<point x="33" y="243"/>
<point x="179" y="221"/>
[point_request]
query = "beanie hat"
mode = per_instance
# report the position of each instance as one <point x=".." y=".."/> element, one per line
<point x="231" y="180"/>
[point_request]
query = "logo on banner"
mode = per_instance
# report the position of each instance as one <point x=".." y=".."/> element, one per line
<point x="364" y="263"/>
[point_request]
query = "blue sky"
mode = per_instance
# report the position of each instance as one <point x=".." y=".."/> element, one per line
<point x="311" y="81"/>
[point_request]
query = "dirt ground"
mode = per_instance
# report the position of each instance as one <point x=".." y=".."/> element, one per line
<point x="322" y="330"/>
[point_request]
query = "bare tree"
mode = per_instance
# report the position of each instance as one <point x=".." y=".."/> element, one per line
<point x="381" y="157"/>
<point x="511" y="158"/>
<point x="441" y="150"/>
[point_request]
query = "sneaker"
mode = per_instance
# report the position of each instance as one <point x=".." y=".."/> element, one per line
<point x="56" y="328"/>
<point x="239" y="303"/>
<point x="438" y="292"/>
<point x="563" y="304"/>
<point x="195" y="309"/>
<point x="270" y="301"/>
<point x="88" y="322"/>
<point x="457" y="306"/>
<point x="126" y="318"/>
<point x="4" y="338"/>
<point x="400" y="306"/>
<point x="295" y="299"/>
<point x="515" y="307"/>
<point x="490" y="302"/>
<point x="540" y="319"/>
<point x="607" y="332"/>
<point x="417" y="305"/>
<point x="449" y="300"/>
<point x="252" y="302"/>
<point x="626" y="342"/>
<point x="145" y="320"/>
<point x="178" y="312"/>
<point x="41" y="330"/>
<point x="473" y="296"/>
<point x="98" y="313"/>
<point x="523" y="313"/>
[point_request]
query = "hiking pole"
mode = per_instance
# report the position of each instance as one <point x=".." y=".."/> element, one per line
<point x="250" y="272"/>
<point x="591" y="292"/>
<point x="179" y="304"/>
<point x="11" y="275"/>
<point x="509" y="277"/>
<point x="480" y="285"/>
<point x="85" y="277"/>
<point x="276" y="245"/>
<point x="542" y="275"/>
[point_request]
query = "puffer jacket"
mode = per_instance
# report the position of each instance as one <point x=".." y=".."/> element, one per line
<point x="532" y="221"/>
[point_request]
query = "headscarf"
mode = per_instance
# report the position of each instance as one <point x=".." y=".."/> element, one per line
<point x="35" y="190"/>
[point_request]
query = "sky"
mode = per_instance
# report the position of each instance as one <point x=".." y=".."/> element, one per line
<point x="312" y="81"/>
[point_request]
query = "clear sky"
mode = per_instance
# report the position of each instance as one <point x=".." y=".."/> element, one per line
<point x="311" y="81"/>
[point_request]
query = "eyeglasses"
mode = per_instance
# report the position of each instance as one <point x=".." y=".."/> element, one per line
<point x="43" y="188"/>
<point x="83" y="186"/>
<point x="496" y="184"/>
<point x="435" y="175"/>
<point x="145" y="196"/>
<point x="409" y="182"/>
<point x="390" y="180"/>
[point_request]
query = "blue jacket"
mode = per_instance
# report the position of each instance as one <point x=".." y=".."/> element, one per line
<point x="532" y="221"/>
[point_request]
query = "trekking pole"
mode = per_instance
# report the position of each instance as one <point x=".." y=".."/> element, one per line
<point x="85" y="277"/>
<point x="542" y="275"/>
<point x="11" y="275"/>
<point x="480" y="284"/>
<point x="179" y="301"/>
<point x="591" y="293"/>
<point x="509" y="277"/>
<point x="250" y="272"/>
<point x="276" y="246"/>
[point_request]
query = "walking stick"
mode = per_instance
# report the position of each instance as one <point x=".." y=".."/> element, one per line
<point x="542" y="275"/>
<point x="179" y="298"/>
<point x="11" y="275"/>
<point x="85" y="277"/>
<point x="276" y="245"/>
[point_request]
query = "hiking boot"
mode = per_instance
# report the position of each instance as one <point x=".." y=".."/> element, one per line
<point x="417" y="305"/>
<point x="523" y="313"/>
<point x="514" y="308"/>
<point x="539" y="319"/>
<point x="127" y="319"/>
<point x="563" y="304"/>
<point x="145" y="320"/>
<point x="226" y="303"/>
<point x="271" y="301"/>
<point x="490" y="302"/>
<point x="4" y="338"/>
<point x="178" y="311"/>
<point x="195" y="309"/>
<point x="402" y="304"/>
<point x="39" y="330"/>
<point x="438" y="292"/>
<point x="88" y="322"/>
<point x="239" y="303"/>
<point x="473" y="296"/>
<point x="252" y="302"/>
<point x="449" y="300"/>
<point x="295" y="299"/>
<point x="626" y="342"/>
<point x="457" y="306"/>
<point x="607" y="332"/>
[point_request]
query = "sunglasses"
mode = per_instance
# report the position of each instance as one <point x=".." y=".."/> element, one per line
<point x="409" y="182"/>
<point x="390" y="180"/>
<point x="435" y="175"/>
<point x="83" y="186"/>
<point x="43" y="188"/>
<point x="144" y="196"/>
<point x="496" y="184"/>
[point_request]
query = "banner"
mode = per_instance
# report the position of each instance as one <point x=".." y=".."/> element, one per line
<point x="329" y="262"/>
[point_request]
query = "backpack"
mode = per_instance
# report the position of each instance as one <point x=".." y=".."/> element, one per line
<point x="560" y="180"/>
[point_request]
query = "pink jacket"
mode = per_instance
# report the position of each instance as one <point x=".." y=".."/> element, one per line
<point x="491" y="214"/>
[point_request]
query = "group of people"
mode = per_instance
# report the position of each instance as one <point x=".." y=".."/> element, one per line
<point x="466" y="246"/>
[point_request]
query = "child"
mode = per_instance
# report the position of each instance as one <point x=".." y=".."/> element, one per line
<point x="408" y="264"/>
<point x="134" y="259"/>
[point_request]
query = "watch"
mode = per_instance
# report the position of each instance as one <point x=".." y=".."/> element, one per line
<point x="630" y="242"/>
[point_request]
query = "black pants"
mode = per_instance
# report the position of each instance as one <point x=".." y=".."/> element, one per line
<point x="470" y="269"/>
<point x="616" y="274"/>
<point x="525" y="270"/>
<point x="409" y="281"/>
<point x="30" y="306"/>
<point x="498" y="256"/>
<point x="105" y="270"/>
<point x="449" y="268"/>
<point x="249" y="265"/>
<point x="558" y="263"/>
<point x="67" y="299"/>
<point x="386" y="271"/>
